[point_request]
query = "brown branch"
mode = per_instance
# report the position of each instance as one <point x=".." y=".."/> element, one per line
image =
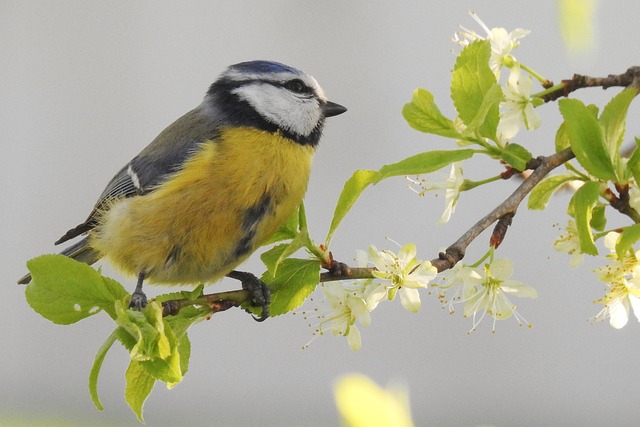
<point x="217" y="302"/>
<point x="456" y="251"/>
<point x="504" y="211"/>
<point x="579" y="81"/>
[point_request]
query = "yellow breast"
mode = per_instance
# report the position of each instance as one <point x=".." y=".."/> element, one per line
<point x="225" y="202"/>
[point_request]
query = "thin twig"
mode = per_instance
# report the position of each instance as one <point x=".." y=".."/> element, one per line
<point x="579" y="81"/>
<point x="217" y="302"/>
<point x="456" y="251"/>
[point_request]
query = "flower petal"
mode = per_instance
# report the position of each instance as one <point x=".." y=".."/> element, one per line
<point x="618" y="315"/>
<point x="407" y="253"/>
<point x="635" y="304"/>
<point x="519" y="289"/>
<point x="501" y="268"/>
<point x="410" y="299"/>
<point x="353" y="338"/>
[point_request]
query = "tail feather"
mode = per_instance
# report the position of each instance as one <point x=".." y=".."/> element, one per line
<point x="80" y="251"/>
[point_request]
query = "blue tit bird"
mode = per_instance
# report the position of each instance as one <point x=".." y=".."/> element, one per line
<point x="213" y="186"/>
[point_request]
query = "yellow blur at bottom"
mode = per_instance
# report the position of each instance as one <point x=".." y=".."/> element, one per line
<point x="362" y="403"/>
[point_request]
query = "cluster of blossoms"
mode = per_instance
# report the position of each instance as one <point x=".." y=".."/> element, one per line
<point x="517" y="109"/>
<point x="621" y="275"/>
<point x="485" y="292"/>
<point x="481" y="293"/>
<point x="518" y="105"/>
<point x="349" y="302"/>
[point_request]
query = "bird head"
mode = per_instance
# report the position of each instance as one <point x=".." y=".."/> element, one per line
<point x="273" y="97"/>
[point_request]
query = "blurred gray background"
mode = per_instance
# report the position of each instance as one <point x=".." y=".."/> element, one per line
<point x="86" y="85"/>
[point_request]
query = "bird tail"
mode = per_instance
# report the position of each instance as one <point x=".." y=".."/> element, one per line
<point x="80" y="251"/>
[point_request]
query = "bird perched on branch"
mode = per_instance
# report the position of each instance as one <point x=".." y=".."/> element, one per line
<point x="213" y="186"/>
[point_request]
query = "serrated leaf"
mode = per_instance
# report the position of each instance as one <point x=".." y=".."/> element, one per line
<point x="95" y="370"/>
<point x="634" y="164"/>
<point x="271" y="257"/>
<point x="287" y="231"/>
<point x="118" y="293"/>
<point x="184" y="348"/>
<point x="598" y="217"/>
<point x="423" y="114"/>
<point x="471" y="81"/>
<point x="583" y="202"/>
<point x="516" y="156"/>
<point x="614" y="120"/>
<point x="138" y="387"/>
<point x="152" y="341"/>
<point x="65" y="291"/>
<point x="541" y="193"/>
<point x="627" y="238"/>
<point x="186" y="317"/>
<point x="488" y="115"/>
<point x="586" y="139"/>
<point x="300" y="241"/>
<point x="562" y="138"/>
<point x="352" y="189"/>
<point x="426" y="162"/>
<point x="295" y="281"/>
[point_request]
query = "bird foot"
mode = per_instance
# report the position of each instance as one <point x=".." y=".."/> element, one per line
<point x="138" y="300"/>
<point x="260" y="292"/>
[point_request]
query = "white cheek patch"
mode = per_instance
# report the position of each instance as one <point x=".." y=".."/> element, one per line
<point x="294" y="113"/>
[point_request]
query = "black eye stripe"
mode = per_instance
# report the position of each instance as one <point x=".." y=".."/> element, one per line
<point x="296" y="86"/>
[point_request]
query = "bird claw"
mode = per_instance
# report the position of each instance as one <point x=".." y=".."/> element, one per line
<point x="138" y="300"/>
<point x="260" y="296"/>
<point x="260" y="292"/>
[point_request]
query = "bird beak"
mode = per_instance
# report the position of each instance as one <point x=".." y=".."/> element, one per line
<point x="331" y="109"/>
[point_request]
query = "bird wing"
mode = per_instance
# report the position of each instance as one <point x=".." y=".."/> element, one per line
<point x="153" y="166"/>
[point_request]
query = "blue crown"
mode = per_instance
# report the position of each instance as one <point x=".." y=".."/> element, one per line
<point x="264" y="67"/>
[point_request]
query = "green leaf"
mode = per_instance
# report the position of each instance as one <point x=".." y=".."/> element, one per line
<point x="118" y="293"/>
<point x="583" y="202"/>
<point x="287" y="231"/>
<point x="186" y="317"/>
<point x="562" y="138"/>
<point x="272" y="258"/>
<point x="516" y="156"/>
<point x="184" y="348"/>
<point x="598" y="217"/>
<point x="627" y="238"/>
<point x="65" y="291"/>
<point x="429" y="161"/>
<point x="471" y="82"/>
<point x="138" y="387"/>
<point x="423" y="114"/>
<point x="487" y="111"/>
<point x="541" y="193"/>
<point x="614" y="121"/>
<point x="301" y="240"/>
<point x="295" y="281"/>
<point x="634" y="163"/>
<point x="586" y="139"/>
<point x="95" y="369"/>
<point x="152" y="341"/>
<point x="352" y="189"/>
<point x="426" y="162"/>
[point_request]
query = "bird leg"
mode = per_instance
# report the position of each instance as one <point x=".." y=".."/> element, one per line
<point x="138" y="298"/>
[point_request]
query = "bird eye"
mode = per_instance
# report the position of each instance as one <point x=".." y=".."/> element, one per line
<point x="296" y="86"/>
